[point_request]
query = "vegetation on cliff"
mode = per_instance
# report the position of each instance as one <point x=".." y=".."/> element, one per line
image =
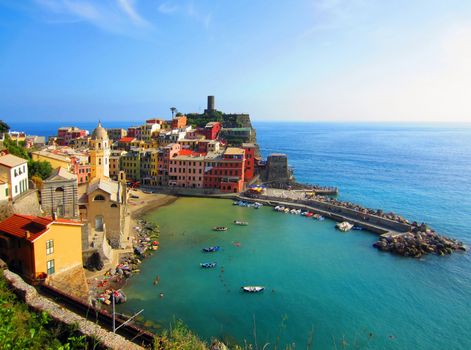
<point x="23" y="329"/>
<point x="227" y="120"/>
<point x="38" y="169"/>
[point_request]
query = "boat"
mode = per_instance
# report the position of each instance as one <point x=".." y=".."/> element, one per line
<point x="157" y="280"/>
<point x="208" y="265"/>
<point x="241" y="223"/>
<point x="286" y="210"/>
<point x="344" y="226"/>
<point x="257" y="205"/>
<point x="211" y="249"/>
<point x="318" y="217"/>
<point x="357" y="228"/>
<point x="252" y="289"/>
<point x="220" y="228"/>
<point x="309" y="214"/>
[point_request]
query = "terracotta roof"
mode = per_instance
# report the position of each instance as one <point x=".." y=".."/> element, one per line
<point x="17" y="225"/>
<point x="126" y="139"/>
<point x="11" y="161"/>
<point x="189" y="152"/>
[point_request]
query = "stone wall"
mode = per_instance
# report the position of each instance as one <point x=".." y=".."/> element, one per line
<point x="60" y="314"/>
<point x="27" y="204"/>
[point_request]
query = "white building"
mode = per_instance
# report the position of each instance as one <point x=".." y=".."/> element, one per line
<point x="14" y="171"/>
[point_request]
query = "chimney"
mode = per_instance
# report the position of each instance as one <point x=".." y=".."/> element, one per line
<point x="27" y="234"/>
<point x="54" y="216"/>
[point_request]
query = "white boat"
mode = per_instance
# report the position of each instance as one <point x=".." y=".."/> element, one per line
<point x="286" y="210"/>
<point x="252" y="289"/>
<point x="344" y="226"/>
<point x="241" y="223"/>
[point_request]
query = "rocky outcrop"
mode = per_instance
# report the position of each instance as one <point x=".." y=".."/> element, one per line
<point x="420" y="241"/>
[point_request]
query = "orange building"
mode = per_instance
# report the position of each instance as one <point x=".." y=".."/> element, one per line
<point x="179" y="122"/>
<point x="37" y="247"/>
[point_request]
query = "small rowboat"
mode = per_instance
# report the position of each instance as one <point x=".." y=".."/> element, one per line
<point x="220" y="228"/>
<point x="241" y="223"/>
<point x="252" y="289"/>
<point x="211" y="249"/>
<point x="208" y="265"/>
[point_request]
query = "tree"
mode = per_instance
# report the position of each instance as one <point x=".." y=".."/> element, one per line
<point x="40" y="169"/>
<point x="4" y="127"/>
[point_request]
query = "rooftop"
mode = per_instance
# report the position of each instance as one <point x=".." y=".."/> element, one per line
<point x="234" y="151"/>
<point x="11" y="161"/>
<point x="18" y="225"/>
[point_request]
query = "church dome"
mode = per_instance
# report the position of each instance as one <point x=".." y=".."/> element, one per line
<point x="99" y="133"/>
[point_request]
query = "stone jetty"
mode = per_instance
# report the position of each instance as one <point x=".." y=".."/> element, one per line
<point x="421" y="240"/>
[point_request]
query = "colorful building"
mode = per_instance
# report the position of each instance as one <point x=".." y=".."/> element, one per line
<point x="115" y="134"/>
<point x="99" y="154"/>
<point x="211" y="130"/>
<point x="66" y="134"/>
<point x="38" y="247"/>
<point x="179" y="122"/>
<point x="14" y="171"/>
<point x="249" y="172"/>
<point x="225" y="172"/>
<point x="163" y="162"/>
<point x="187" y="169"/>
<point x="134" y="132"/>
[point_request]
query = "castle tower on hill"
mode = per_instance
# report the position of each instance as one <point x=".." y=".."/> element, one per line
<point x="100" y="151"/>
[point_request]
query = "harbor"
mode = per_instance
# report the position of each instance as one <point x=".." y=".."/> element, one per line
<point x="265" y="253"/>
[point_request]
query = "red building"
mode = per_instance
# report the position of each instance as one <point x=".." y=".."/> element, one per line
<point x="226" y="172"/>
<point x="134" y="132"/>
<point x="249" y="161"/>
<point x="67" y="134"/>
<point x="211" y="130"/>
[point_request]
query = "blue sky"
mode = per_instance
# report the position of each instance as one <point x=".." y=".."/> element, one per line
<point x="318" y="60"/>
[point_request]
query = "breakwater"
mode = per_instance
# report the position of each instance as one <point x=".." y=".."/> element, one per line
<point x="398" y="236"/>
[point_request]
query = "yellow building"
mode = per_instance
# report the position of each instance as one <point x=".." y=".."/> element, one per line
<point x="56" y="160"/>
<point x="37" y="247"/>
<point x="100" y="150"/>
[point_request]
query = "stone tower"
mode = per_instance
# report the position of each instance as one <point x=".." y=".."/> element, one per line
<point x="99" y="153"/>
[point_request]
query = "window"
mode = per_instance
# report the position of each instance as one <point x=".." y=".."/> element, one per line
<point x="49" y="247"/>
<point x="6" y="192"/>
<point x="16" y="189"/>
<point x="99" y="197"/>
<point x="50" y="267"/>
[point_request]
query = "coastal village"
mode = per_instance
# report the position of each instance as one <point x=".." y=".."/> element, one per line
<point x="78" y="231"/>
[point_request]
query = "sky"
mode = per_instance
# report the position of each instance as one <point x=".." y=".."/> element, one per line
<point x="299" y="60"/>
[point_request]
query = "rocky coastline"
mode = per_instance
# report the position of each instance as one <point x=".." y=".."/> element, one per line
<point x="115" y="278"/>
<point x="420" y="241"/>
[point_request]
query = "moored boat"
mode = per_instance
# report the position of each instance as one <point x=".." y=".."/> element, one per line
<point x="208" y="265"/>
<point x="220" y="228"/>
<point x="344" y="226"/>
<point x="318" y="217"/>
<point x="241" y="223"/>
<point x="357" y="228"/>
<point x="211" y="249"/>
<point x="252" y="289"/>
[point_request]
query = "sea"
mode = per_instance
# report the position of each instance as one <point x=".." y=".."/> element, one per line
<point x="324" y="289"/>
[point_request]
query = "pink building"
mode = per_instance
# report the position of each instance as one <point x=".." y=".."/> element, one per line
<point x="187" y="170"/>
<point x="163" y="162"/>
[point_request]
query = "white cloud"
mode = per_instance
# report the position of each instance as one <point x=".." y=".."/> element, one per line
<point x="128" y="6"/>
<point x="167" y="8"/>
<point x="188" y="10"/>
<point x="117" y="16"/>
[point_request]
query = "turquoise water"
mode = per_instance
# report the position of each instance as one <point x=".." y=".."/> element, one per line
<point x="335" y="284"/>
<point x="317" y="279"/>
